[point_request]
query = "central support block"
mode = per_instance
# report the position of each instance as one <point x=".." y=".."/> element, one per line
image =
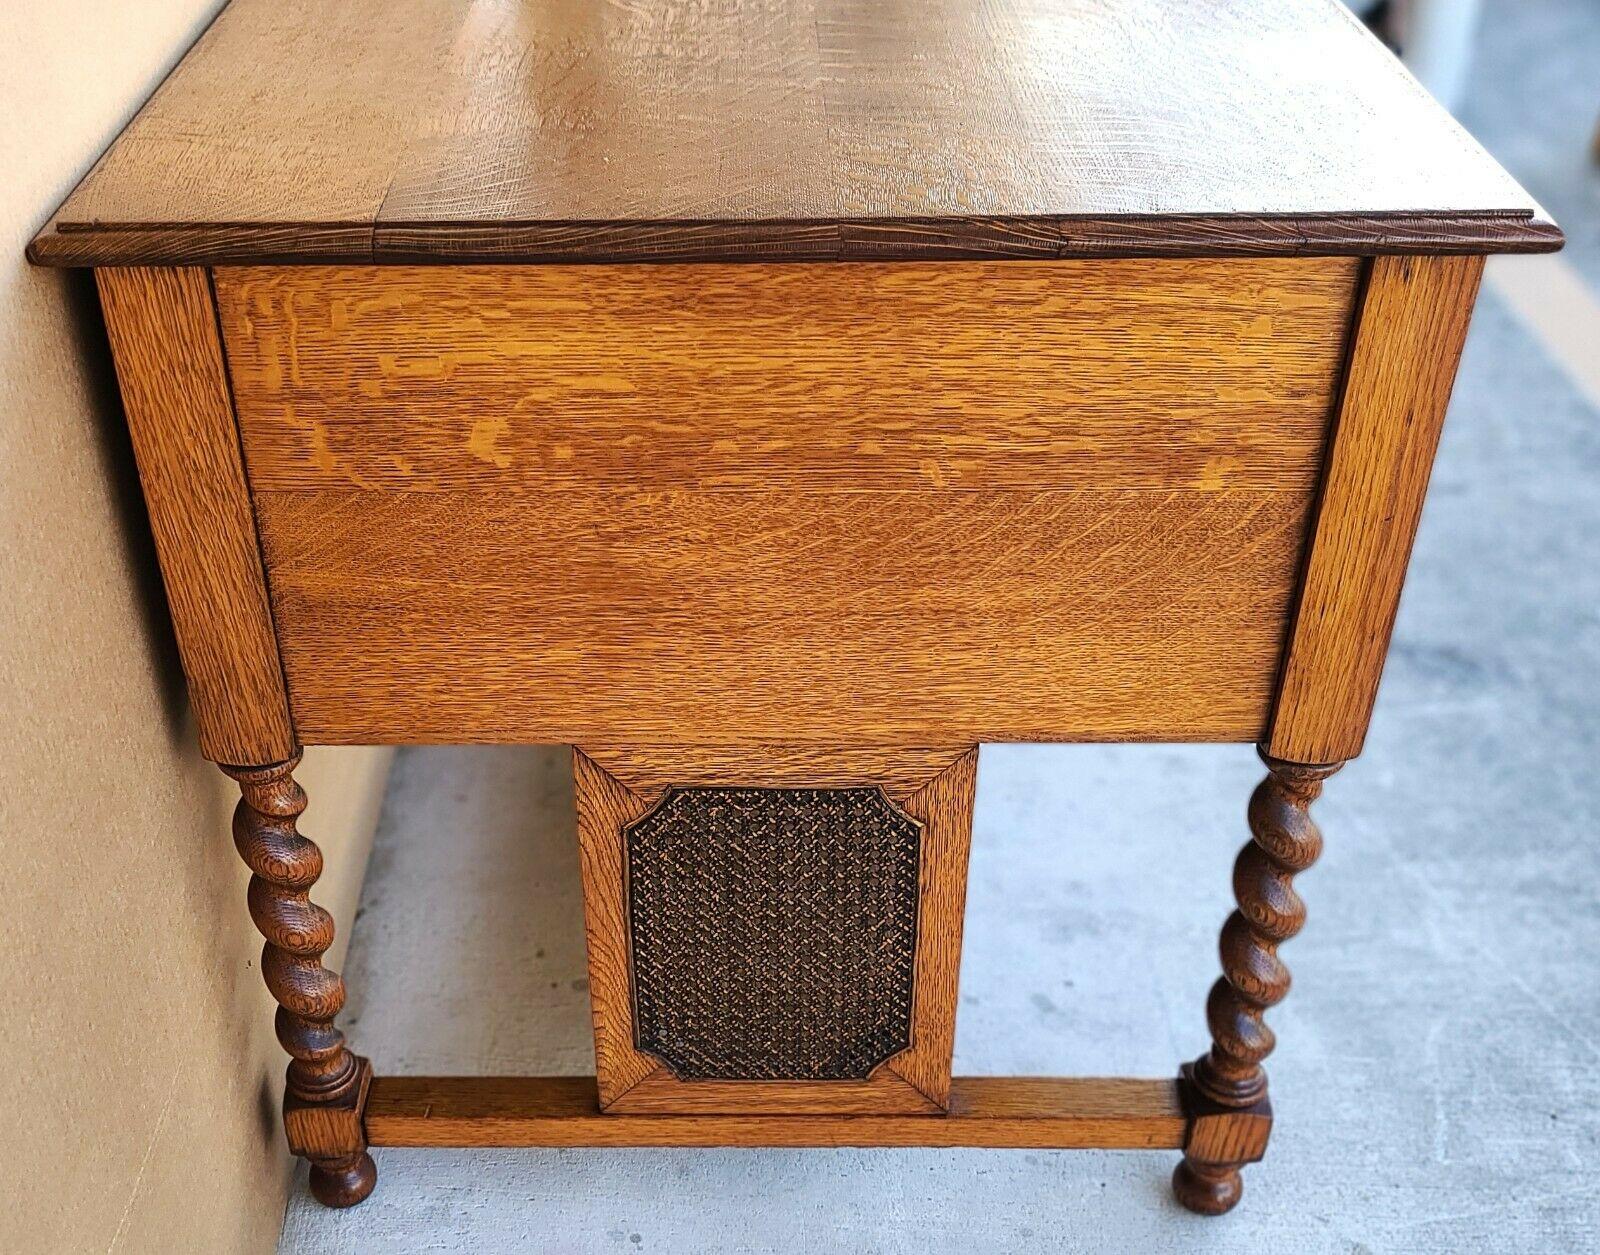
<point x="774" y="930"/>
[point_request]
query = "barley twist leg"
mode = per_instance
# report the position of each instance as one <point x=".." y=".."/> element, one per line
<point x="326" y="1086"/>
<point x="1225" y="1090"/>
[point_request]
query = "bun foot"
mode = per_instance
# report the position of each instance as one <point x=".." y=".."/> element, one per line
<point x="1207" y="1189"/>
<point x="343" y="1182"/>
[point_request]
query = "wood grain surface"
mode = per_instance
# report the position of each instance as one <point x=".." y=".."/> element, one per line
<point x="651" y="769"/>
<point x="936" y="787"/>
<point x="1029" y="1112"/>
<point x="1408" y="339"/>
<point x="292" y="115"/>
<point x="813" y="129"/>
<point x="163" y="330"/>
<point x="605" y="806"/>
<point x="749" y="618"/>
<point x="885" y="1092"/>
<point x="1130" y="374"/>
<point x="944" y="805"/>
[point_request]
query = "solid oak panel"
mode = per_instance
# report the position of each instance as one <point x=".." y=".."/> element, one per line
<point x="604" y="806"/>
<point x="163" y="330"/>
<point x="1141" y="374"/>
<point x="803" y="129"/>
<point x="945" y="806"/>
<point x="651" y="769"/>
<point x="935" y="787"/>
<point x="1026" y="1112"/>
<point x="1408" y="341"/>
<point x="740" y="618"/>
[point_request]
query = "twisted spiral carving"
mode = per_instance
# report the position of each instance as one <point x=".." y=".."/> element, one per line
<point x="297" y="930"/>
<point x="322" y="1069"/>
<point x="1286" y="842"/>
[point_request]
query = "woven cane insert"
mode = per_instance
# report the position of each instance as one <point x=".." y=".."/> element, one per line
<point x="773" y="932"/>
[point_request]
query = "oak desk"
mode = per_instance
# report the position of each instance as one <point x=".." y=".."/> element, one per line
<point x="774" y="400"/>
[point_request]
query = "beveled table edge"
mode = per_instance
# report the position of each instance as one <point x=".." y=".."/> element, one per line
<point x="1036" y="238"/>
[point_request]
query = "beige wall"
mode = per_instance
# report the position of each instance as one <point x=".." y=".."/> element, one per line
<point x="142" y="1076"/>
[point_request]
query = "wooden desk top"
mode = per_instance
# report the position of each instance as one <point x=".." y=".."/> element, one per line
<point x="359" y="130"/>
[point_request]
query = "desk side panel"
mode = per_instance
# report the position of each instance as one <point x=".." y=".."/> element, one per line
<point x="827" y="505"/>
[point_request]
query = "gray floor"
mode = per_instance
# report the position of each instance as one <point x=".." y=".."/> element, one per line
<point x="1535" y="103"/>
<point x="1437" y="1082"/>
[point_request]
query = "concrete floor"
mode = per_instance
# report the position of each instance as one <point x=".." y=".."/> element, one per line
<point x="1535" y="102"/>
<point x="1436" y="1081"/>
